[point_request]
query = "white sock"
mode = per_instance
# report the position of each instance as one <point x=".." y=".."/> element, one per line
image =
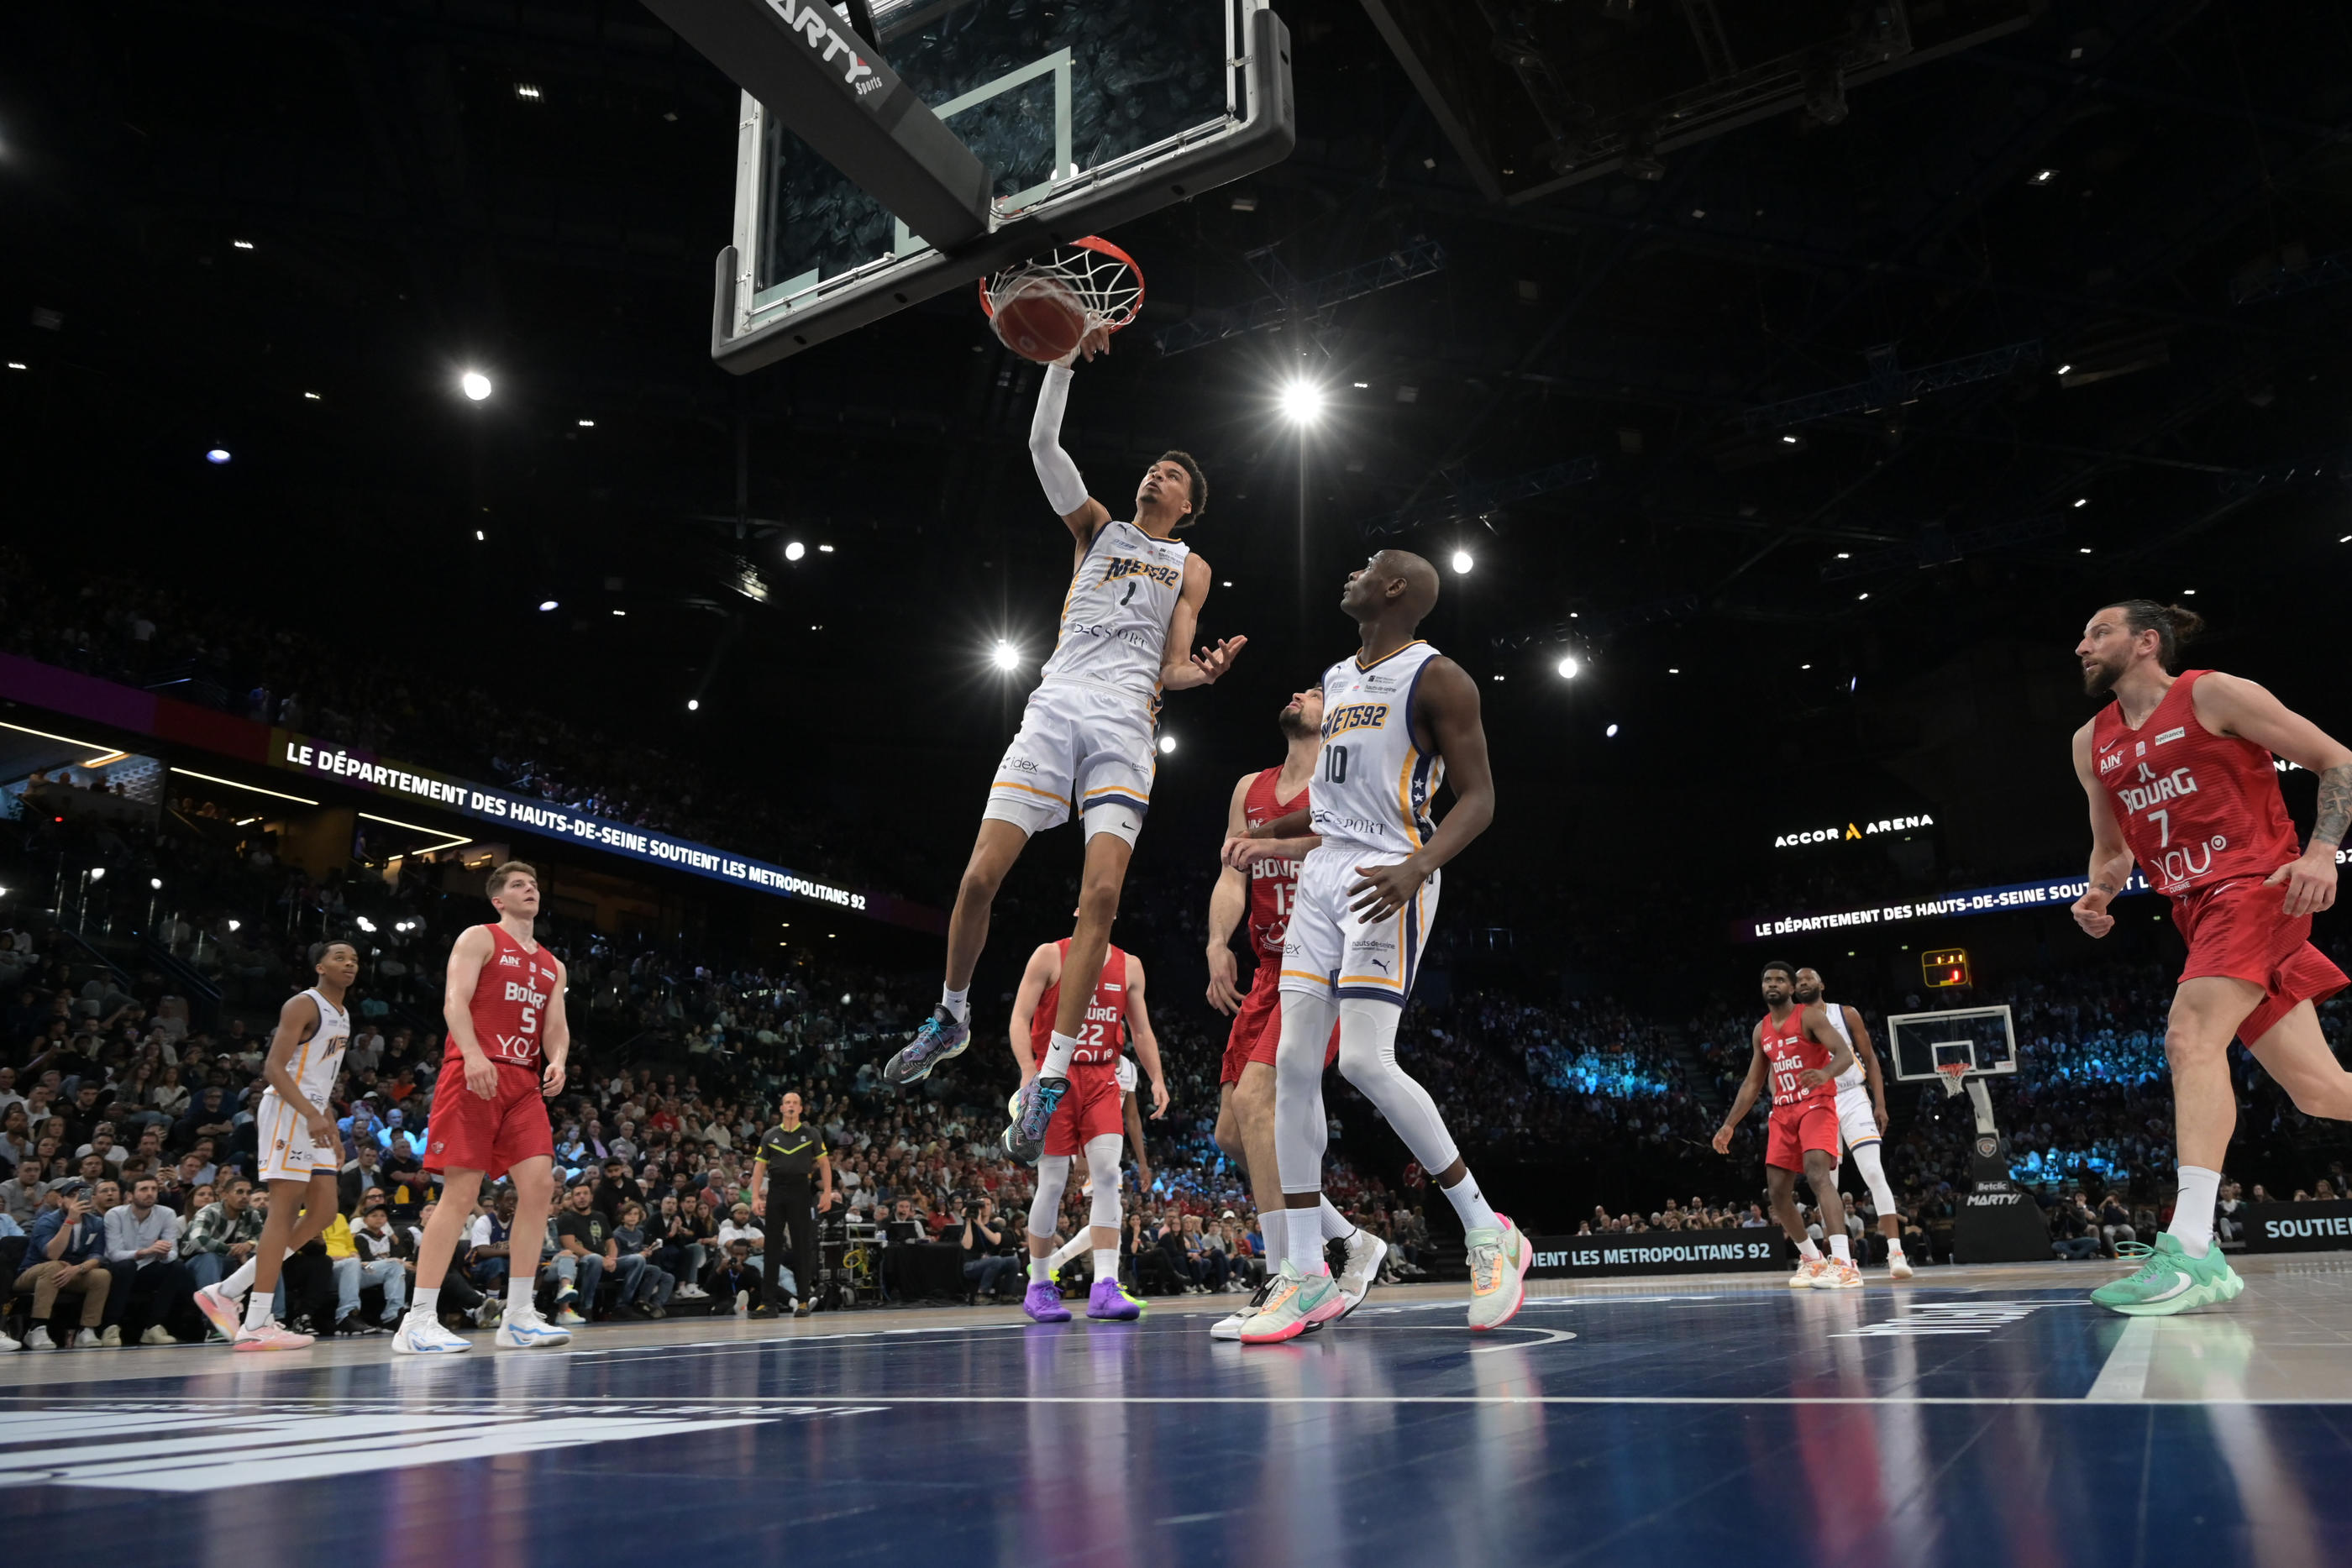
<point x="1041" y="1271"/>
<point x="1273" y="1225"/>
<point x="425" y="1305"/>
<point x="958" y="1003"/>
<point x="1335" y="1224"/>
<point x="1306" y="1246"/>
<point x="257" y="1311"/>
<point x="1083" y="1241"/>
<point x="1105" y="1264"/>
<point x="1057" y="1056"/>
<point x="2192" y="1209"/>
<point x="519" y="1287"/>
<point x="1840" y="1249"/>
<point x="1894" y="1246"/>
<point x="1471" y="1205"/>
<point x="1808" y="1252"/>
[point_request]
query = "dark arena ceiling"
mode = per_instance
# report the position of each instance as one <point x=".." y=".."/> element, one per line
<point x="1809" y="380"/>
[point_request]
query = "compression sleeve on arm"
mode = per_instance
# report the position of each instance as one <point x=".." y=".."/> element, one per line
<point x="1066" y="492"/>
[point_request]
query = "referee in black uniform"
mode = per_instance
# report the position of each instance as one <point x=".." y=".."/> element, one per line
<point x="782" y="1195"/>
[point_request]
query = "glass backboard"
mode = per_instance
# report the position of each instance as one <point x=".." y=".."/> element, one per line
<point x="1982" y="1036"/>
<point x="1084" y="113"/>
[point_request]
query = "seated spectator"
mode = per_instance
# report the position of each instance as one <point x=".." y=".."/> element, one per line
<point x="491" y="1243"/>
<point x="65" y="1255"/>
<point x="578" y="1266"/>
<point x="21" y="1195"/>
<point x="355" y="1270"/>
<point x="736" y="1281"/>
<point x="987" y="1268"/>
<point x="153" y="1291"/>
<point x="645" y="1284"/>
<point x="223" y="1233"/>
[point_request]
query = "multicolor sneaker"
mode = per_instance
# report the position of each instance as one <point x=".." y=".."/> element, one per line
<point x="1499" y="1257"/>
<point x="939" y="1038"/>
<point x="1293" y="1300"/>
<point x="1137" y="1302"/>
<point x="1031" y="1108"/>
<point x="1898" y="1267"/>
<point x="525" y="1330"/>
<point x="1043" y="1304"/>
<point x="1230" y="1327"/>
<point x="220" y="1310"/>
<point x="1842" y="1276"/>
<point x="2172" y="1281"/>
<point x="424" y="1335"/>
<point x="1110" y="1304"/>
<point x="1366" y="1253"/>
<point x="271" y="1336"/>
<point x="1810" y="1272"/>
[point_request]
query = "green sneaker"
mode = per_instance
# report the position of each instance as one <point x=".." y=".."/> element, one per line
<point x="2172" y="1281"/>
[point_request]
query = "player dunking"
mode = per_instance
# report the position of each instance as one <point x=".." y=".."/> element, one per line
<point x="1265" y="893"/>
<point x="504" y="1061"/>
<point x="1801" y="1053"/>
<point x="302" y="1151"/>
<point x="2178" y="772"/>
<point x="1862" y="1116"/>
<point x="1398" y="717"/>
<point x="1135" y="597"/>
<point x="1088" y="1120"/>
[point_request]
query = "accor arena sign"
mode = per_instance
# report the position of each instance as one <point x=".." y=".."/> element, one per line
<point x="1853" y="830"/>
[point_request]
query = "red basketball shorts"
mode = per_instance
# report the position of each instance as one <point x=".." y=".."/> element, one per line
<point x="2240" y="929"/>
<point x="467" y="1132"/>
<point x="1090" y="1109"/>
<point x="1257" y="1027"/>
<point x="1789" y="1133"/>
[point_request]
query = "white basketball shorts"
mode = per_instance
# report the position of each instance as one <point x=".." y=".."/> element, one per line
<point x="1329" y="953"/>
<point x="287" y="1153"/>
<point x="1082" y="739"/>
<point x="1857" y="1123"/>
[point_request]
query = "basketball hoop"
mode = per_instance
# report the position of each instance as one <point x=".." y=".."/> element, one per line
<point x="1955" y="1076"/>
<point x="1043" y="308"/>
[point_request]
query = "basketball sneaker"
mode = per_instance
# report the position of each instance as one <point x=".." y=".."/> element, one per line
<point x="220" y="1310"/>
<point x="939" y="1038"/>
<point x="2172" y="1281"/>
<point x="1043" y="1304"/>
<point x="1291" y="1299"/>
<point x="1031" y="1108"/>
<point x="1230" y="1326"/>
<point x="1499" y="1257"/>
<point x="1898" y="1267"/>
<point x="524" y="1329"/>
<point x="1811" y="1272"/>
<point x="424" y="1335"/>
<point x="1110" y="1304"/>
<point x="271" y="1336"/>
<point x="1366" y="1253"/>
<point x="1840" y="1276"/>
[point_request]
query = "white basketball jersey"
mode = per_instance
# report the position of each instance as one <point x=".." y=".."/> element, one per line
<point x="1853" y="1077"/>
<point x="1373" y="786"/>
<point x="1115" y="619"/>
<point x="318" y="1058"/>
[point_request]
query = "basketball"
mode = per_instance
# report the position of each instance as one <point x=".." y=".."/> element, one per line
<point x="1038" y="318"/>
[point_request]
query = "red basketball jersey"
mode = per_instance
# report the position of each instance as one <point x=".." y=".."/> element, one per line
<point x="511" y="997"/>
<point x="2195" y="807"/>
<point x="1103" y="1035"/>
<point x="1274" y="884"/>
<point x="1791" y="1051"/>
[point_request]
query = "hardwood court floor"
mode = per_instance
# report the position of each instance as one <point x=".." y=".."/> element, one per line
<point x="1968" y="1417"/>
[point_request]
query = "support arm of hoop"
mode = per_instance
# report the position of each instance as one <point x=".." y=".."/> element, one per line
<point x="1981" y="1100"/>
<point x="815" y="75"/>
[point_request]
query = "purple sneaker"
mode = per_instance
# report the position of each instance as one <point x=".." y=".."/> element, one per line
<point x="1043" y="1304"/>
<point x="1109" y="1302"/>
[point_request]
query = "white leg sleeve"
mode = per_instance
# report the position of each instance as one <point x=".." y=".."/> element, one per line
<point x="1874" y="1175"/>
<point x="1300" y="1132"/>
<point x="1102" y="1164"/>
<point x="1368" y="1059"/>
<point x="1052" y="1176"/>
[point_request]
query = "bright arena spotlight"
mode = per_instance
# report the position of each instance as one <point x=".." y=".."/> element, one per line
<point x="1302" y="401"/>
<point x="1569" y="667"/>
<point x="1463" y="563"/>
<point x="1167" y="744"/>
<point x="475" y="385"/>
<point x="1004" y="655"/>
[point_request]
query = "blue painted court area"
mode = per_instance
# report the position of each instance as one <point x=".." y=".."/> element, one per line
<point x="1990" y="1415"/>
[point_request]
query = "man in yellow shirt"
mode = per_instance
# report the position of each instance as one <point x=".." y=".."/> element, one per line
<point x="354" y="1273"/>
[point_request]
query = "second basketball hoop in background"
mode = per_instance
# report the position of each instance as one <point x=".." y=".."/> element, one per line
<point x="1043" y="308"/>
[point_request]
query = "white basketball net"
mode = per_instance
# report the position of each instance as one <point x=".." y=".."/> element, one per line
<point x="1105" y="286"/>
